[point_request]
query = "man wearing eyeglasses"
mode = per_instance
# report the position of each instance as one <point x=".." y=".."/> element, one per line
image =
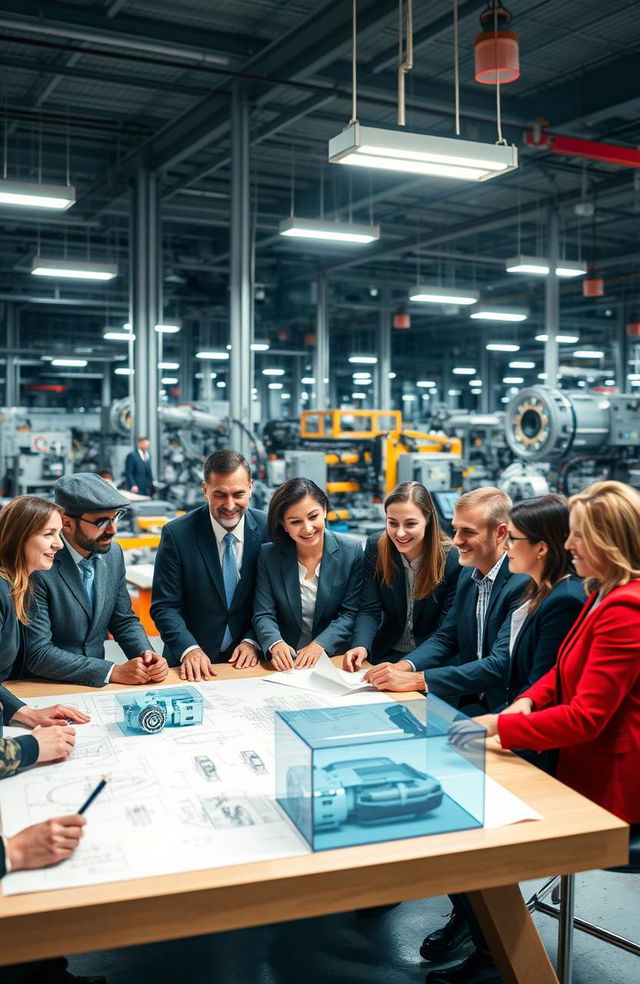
<point x="84" y="596"/>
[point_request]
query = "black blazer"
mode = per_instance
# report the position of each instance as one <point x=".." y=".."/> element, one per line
<point x="535" y="649"/>
<point x="278" y="611"/>
<point x="382" y="613"/>
<point x="449" y="658"/>
<point x="189" y="605"/>
<point x="138" y="472"/>
<point x="10" y="650"/>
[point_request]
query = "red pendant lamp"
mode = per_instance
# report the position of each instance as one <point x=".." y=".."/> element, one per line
<point x="496" y="50"/>
<point x="633" y="326"/>
<point x="593" y="284"/>
<point x="401" y="318"/>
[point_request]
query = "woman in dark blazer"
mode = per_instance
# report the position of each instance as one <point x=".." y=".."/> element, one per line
<point x="307" y="582"/>
<point x="409" y="581"/>
<point x="29" y="538"/>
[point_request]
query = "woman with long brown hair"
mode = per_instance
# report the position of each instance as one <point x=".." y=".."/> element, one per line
<point x="29" y="538"/>
<point x="410" y="575"/>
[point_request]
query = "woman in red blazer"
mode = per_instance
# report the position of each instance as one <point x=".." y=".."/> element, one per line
<point x="588" y="705"/>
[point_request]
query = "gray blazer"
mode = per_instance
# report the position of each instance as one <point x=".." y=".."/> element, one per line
<point x="278" y="609"/>
<point x="65" y="639"/>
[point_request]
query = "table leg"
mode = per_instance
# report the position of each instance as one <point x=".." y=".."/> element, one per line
<point x="565" y="929"/>
<point x="511" y="935"/>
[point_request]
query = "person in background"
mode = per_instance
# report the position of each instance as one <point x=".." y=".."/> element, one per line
<point x="204" y="575"/>
<point x="467" y="658"/>
<point x="308" y="580"/>
<point x="84" y="596"/>
<point x="409" y="580"/>
<point x="536" y="535"/>
<point x="29" y="540"/>
<point x="137" y="469"/>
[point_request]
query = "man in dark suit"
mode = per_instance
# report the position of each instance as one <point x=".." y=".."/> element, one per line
<point x="467" y="657"/>
<point x="204" y="577"/>
<point x="137" y="469"/>
<point x="84" y="596"/>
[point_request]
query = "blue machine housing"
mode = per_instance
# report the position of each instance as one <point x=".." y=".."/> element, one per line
<point x="154" y="710"/>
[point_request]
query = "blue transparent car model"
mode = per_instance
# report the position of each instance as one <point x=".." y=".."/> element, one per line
<point x="153" y="710"/>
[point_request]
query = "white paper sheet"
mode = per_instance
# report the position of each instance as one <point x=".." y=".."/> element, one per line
<point x="323" y="678"/>
<point x="206" y="791"/>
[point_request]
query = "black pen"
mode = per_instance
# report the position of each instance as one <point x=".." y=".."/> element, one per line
<point x="87" y="803"/>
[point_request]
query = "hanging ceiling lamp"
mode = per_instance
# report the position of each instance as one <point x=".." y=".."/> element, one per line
<point x="593" y="284"/>
<point x="496" y="52"/>
<point x="401" y="318"/>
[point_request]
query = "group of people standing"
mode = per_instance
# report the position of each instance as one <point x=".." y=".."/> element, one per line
<point x="528" y="619"/>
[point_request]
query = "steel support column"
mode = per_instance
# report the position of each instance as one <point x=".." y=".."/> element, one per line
<point x="145" y="300"/>
<point x="620" y="351"/>
<point x="321" y="355"/>
<point x="552" y="301"/>
<point x="185" y="377"/>
<point x="12" y="365"/>
<point x="383" y="387"/>
<point x="241" y="277"/>
<point x="487" y="396"/>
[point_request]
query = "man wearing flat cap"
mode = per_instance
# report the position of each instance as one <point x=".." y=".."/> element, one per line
<point x="84" y="596"/>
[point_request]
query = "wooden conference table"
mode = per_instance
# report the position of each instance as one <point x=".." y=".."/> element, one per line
<point x="575" y="835"/>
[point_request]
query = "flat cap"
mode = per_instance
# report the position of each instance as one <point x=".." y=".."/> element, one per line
<point x="87" y="492"/>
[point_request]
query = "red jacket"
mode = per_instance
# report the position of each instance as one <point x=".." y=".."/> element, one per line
<point x="588" y="705"/>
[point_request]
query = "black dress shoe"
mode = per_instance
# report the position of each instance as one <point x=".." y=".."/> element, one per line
<point x="478" y="968"/>
<point x="448" y="940"/>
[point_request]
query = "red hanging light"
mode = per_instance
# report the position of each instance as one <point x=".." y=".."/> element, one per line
<point x="402" y="318"/>
<point x="633" y="326"/>
<point x="593" y="284"/>
<point x="496" y="51"/>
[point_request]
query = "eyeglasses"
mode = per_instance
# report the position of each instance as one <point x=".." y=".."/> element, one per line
<point x="512" y="539"/>
<point x="104" y="521"/>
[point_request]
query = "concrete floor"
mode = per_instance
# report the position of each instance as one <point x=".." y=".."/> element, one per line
<point x="374" y="949"/>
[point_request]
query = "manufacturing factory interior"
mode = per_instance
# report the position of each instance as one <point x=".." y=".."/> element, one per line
<point x="186" y="256"/>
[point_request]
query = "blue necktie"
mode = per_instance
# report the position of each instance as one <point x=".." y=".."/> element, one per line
<point x="229" y="579"/>
<point x="88" y="573"/>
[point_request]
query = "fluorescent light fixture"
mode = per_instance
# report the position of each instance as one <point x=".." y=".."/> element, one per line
<point x="571" y="268"/>
<point x="123" y="371"/>
<point x="502" y="347"/>
<point x="115" y="335"/>
<point x="535" y="265"/>
<point x="475" y="382"/>
<point x="417" y="153"/>
<point x="522" y="365"/>
<point x="560" y="339"/>
<point x="463" y="371"/>
<point x="443" y="295"/>
<point x="363" y="360"/>
<point x="358" y="396"/>
<point x="588" y="354"/>
<point x="276" y="386"/>
<point x="392" y="375"/>
<point x="495" y="312"/>
<point x="285" y="396"/>
<point x="260" y="346"/>
<point x="512" y="380"/>
<point x="505" y="399"/>
<point x="69" y="362"/>
<point x="409" y="397"/>
<point x="542" y="375"/>
<point x="169" y="380"/>
<point x="167" y="329"/>
<point x="307" y="380"/>
<point x="73" y="269"/>
<point x="366" y="376"/>
<point x="273" y="372"/>
<point x="328" y="231"/>
<point x="426" y="383"/>
<point x="221" y="384"/>
<point x="33" y="194"/>
<point x="213" y="355"/>
<point x="454" y="392"/>
<point x="609" y="382"/>
<point x="168" y="365"/>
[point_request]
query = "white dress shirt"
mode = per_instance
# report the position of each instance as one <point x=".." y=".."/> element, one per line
<point x="308" y="596"/>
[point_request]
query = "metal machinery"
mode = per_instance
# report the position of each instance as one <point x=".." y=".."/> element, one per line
<point x="35" y="450"/>
<point x="360" y="455"/>
<point x="565" y="440"/>
<point x="485" y="452"/>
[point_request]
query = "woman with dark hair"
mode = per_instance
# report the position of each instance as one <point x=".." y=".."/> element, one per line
<point x="29" y="538"/>
<point x="409" y="582"/>
<point x="308" y="580"/>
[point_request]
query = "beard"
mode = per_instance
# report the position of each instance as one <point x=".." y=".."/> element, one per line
<point x="98" y="544"/>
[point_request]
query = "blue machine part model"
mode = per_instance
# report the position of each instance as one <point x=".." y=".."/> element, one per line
<point x="374" y="790"/>
<point x="153" y="710"/>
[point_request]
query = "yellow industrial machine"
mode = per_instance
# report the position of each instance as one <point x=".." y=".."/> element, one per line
<point x="371" y="451"/>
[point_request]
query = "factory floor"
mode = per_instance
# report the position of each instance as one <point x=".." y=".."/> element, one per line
<point x="367" y="949"/>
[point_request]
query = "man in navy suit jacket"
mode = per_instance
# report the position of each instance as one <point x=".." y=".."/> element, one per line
<point x="198" y="624"/>
<point x="137" y="469"/>
<point x="468" y="656"/>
